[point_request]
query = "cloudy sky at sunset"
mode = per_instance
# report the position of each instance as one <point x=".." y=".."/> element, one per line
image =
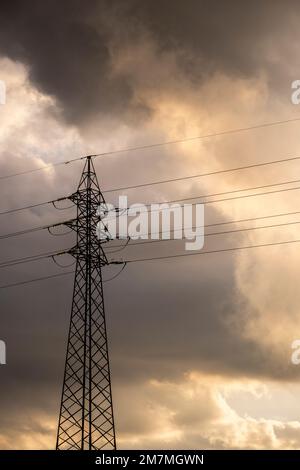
<point x="200" y="346"/>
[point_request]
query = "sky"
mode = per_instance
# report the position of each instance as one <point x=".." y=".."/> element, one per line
<point x="200" y="346"/>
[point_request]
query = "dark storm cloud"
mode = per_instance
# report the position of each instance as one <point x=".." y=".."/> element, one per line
<point x="67" y="45"/>
<point x="67" y="56"/>
<point x="228" y="36"/>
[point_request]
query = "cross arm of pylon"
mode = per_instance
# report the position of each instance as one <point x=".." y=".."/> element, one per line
<point x="65" y="198"/>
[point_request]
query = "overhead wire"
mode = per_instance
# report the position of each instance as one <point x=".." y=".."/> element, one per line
<point x="125" y="262"/>
<point x="53" y="276"/>
<point x="223" y="250"/>
<point x="154" y="145"/>
<point x="34" y="229"/>
<point x="43" y="278"/>
<point x="28" y="259"/>
<point x="42" y="256"/>
<point x="146" y="242"/>
<point x="32" y="206"/>
<point x="199" y="175"/>
<point x="190" y="198"/>
<point x="252" y="188"/>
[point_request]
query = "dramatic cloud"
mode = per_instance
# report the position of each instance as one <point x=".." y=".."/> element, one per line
<point x="70" y="46"/>
<point x="200" y="347"/>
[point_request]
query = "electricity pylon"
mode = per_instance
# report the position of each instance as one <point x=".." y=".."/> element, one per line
<point x="86" y="419"/>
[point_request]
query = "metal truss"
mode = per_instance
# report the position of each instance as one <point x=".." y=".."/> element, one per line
<point x="86" y="419"/>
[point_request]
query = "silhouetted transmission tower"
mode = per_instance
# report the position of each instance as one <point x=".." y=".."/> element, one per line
<point x="86" y="419"/>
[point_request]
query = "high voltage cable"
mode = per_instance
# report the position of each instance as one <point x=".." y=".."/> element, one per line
<point x="30" y="230"/>
<point x="252" y="188"/>
<point x="232" y="191"/>
<point x="125" y="210"/>
<point x="52" y="276"/>
<point x="247" y="229"/>
<point x="45" y="227"/>
<point x="155" y="145"/>
<point x="10" y="211"/>
<point x="137" y="260"/>
<point x="22" y="232"/>
<point x="235" y="221"/>
<point x="162" y="257"/>
<point x="8" y="235"/>
<point x="203" y="136"/>
<point x="211" y="173"/>
<point x="41" y="256"/>
<point x="231" y="198"/>
<point x="18" y="209"/>
<point x="28" y="259"/>
<point x="36" y="279"/>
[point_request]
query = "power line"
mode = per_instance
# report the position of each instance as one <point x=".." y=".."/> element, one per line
<point x="44" y="278"/>
<point x="211" y="173"/>
<point x="209" y="252"/>
<point x="51" y="254"/>
<point x="22" y="232"/>
<point x="235" y="221"/>
<point x="40" y="168"/>
<point x="247" y="229"/>
<point x="28" y="259"/>
<point x="235" y="197"/>
<point x="181" y="199"/>
<point x="10" y="211"/>
<point x="12" y="234"/>
<point x="199" y="137"/>
<point x="154" y="145"/>
<point x="45" y="227"/>
<point x="30" y="230"/>
<point x="36" y="280"/>
<point x="232" y="191"/>
<point x="148" y="205"/>
<point x="159" y="258"/>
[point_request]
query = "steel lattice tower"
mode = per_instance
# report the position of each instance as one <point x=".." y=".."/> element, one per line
<point x="86" y="419"/>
